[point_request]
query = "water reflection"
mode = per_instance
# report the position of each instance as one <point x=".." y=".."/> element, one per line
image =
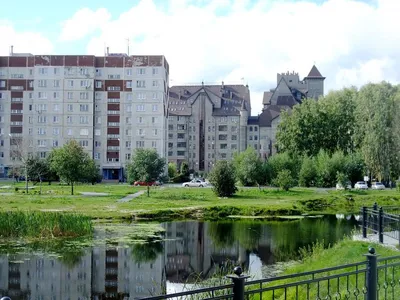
<point x="123" y="271"/>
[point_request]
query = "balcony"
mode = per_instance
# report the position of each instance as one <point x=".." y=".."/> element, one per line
<point x="16" y="111"/>
<point x="16" y="99"/>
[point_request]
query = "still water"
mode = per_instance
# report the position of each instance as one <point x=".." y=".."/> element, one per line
<point x="107" y="268"/>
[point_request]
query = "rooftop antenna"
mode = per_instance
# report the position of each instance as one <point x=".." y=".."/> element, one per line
<point x="127" y="40"/>
<point x="11" y="50"/>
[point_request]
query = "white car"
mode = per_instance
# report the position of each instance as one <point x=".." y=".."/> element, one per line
<point x="194" y="183"/>
<point x="378" y="186"/>
<point x="361" y="185"/>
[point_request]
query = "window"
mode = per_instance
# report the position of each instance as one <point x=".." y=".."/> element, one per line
<point x="155" y="96"/>
<point x="70" y="83"/>
<point x="223" y="146"/>
<point x="140" y="131"/>
<point x="170" y="135"/>
<point x="84" y="83"/>
<point x="96" y="155"/>
<point x="2" y="83"/>
<point x="155" y="71"/>
<point x="155" y="83"/>
<point x="70" y="107"/>
<point x="223" y="128"/>
<point x="83" y="95"/>
<point x="42" y="83"/>
<point x="98" y="72"/>
<point x="69" y="131"/>
<point x="55" y="143"/>
<point x="42" y="119"/>
<point x="56" y="71"/>
<point x="97" y="144"/>
<point x="56" y="95"/>
<point x="128" y="120"/>
<point x="234" y="146"/>
<point x="129" y="72"/>
<point x="181" y="136"/>
<point x="129" y="97"/>
<point x="43" y="71"/>
<point x="139" y="144"/>
<point x="127" y="156"/>
<point x="140" y="107"/>
<point x="41" y="108"/>
<point x="255" y="128"/>
<point x="155" y="132"/>
<point x="42" y="95"/>
<point x="84" y="71"/>
<point x="140" y="120"/>
<point x="234" y="137"/>
<point x="56" y="131"/>
<point x="155" y="107"/>
<point x="69" y="119"/>
<point x="41" y="131"/>
<point x="84" y="132"/>
<point x="128" y="132"/>
<point x="140" y="83"/>
<point x="141" y="71"/>
<point x="128" y="144"/>
<point x="84" y="119"/>
<point x="56" y="83"/>
<point x="234" y="128"/>
<point x="154" y="120"/>
<point x="84" y="107"/>
<point x="99" y="83"/>
<point x="41" y="143"/>
<point x="97" y="132"/>
<point x="98" y="120"/>
<point x="251" y="128"/>
<point x="141" y="96"/>
<point x="223" y="137"/>
<point x="84" y="143"/>
<point x="154" y="144"/>
<point x="170" y="127"/>
<point x="129" y="84"/>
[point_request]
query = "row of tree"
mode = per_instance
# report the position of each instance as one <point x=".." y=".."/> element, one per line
<point x="364" y="121"/>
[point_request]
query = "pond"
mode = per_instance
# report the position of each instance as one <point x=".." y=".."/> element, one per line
<point x="115" y="266"/>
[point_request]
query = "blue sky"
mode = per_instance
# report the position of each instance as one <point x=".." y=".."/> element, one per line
<point x="352" y="42"/>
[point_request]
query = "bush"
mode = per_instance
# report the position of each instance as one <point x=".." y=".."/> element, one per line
<point x="222" y="177"/>
<point x="308" y="172"/>
<point x="283" y="161"/>
<point x="284" y="180"/>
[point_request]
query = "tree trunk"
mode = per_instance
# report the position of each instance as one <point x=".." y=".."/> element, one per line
<point x="40" y="178"/>
<point x="148" y="190"/>
<point x="26" y="181"/>
<point x="72" y="188"/>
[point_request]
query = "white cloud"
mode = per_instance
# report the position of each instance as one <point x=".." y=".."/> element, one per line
<point x="351" y="42"/>
<point x="83" y="22"/>
<point x="23" y="41"/>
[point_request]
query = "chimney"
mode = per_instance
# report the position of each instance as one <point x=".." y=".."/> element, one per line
<point x="179" y="94"/>
<point x="11" y="50"/>
<point x="108" y="51"/>
<point x="222" y="86"/>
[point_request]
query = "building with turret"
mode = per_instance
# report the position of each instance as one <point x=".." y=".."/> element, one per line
<point x="207" y="123"/>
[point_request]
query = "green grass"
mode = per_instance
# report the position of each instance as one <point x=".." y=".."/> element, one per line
<point x="194" y="203"/>
<point x="43" y="225"/>
<point x="316" y="257"/>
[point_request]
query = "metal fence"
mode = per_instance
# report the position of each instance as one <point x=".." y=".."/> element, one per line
<point x="383" y="221"/>
<point x="371" y="279"/>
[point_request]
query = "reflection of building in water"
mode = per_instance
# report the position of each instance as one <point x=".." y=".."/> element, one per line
<point x="191" y="253"/>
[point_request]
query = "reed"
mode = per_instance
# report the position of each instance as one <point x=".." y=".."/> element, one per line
<point x="36" y="224"/>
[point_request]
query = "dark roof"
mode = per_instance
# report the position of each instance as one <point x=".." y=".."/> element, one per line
<point x="286" y="101"/>
<point x="315" y="73"/>
<point x="253" y="120"/>
<point x="231" y="97"/>
<point x="269" y="114"/>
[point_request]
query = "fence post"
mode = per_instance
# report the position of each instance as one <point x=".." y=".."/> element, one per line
<point x="375" y="217"/>
<point x="238" y="283"/>
<point x="380" y="225"/>
<point x="364" y="222"/>
<point x="375" y="207"/>
<point x="371" y="281"/>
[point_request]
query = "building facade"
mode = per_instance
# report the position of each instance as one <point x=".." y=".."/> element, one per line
<point x="207" y="123"/>
<point x="109" y="104"/>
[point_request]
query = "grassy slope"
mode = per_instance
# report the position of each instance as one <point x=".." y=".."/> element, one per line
<point x="194" y="202"/>
<point x="344" y="252"/>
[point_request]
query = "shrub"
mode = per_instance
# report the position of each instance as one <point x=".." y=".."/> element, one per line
<point x="284" y="180"/>
<point x="222" y="177"/>
<point x="308" y="172"/>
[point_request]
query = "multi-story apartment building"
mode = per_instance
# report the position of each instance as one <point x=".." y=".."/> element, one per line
<point x="109" y="104"/>
<point x="207" y="123"/>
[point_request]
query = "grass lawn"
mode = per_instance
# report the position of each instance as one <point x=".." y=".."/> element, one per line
<point x="344" y="252"/>
<point x="177" y="202"/>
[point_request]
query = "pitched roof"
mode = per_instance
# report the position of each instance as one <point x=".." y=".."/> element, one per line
<point x="314" y="73"/>
<point x="231" y="96"/>
<point x="267" y="97"/>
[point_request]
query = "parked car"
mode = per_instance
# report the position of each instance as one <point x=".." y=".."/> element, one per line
<point x="377" y="186"/>
<point x="194" y="183"/>
<point x="361" y="185"/>
<point x="339" y="186"/>
<point x="142" y="183"/>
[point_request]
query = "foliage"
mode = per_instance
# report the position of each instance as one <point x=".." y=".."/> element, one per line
<point x="70" y="162"/>
<point x="342" y="180"/>
<point x="146" y="166"/>
<point x="326" y="124"/>
<point x="248" y="167"/>
<point x="354" y="167"/>
<point x="284" y="180"/>
<point x="92" y="172"/>
<point x="222" y="178"/>
<point x="308" y="172"/>
<point x="328" y="167"/>
<point x="43" y="224"/>
<point x="147" y="252"/>
<point x="378" y="123"/>
<point x="283" y="161"/>
<point x="172" y="170"/>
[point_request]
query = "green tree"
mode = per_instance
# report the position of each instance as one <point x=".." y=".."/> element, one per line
<point x="222" y="177"/>
<point x="92" y="172"/>
<point x="146" y="166"/>
<point x="354" y="167"/>
<point x="378" y="117"/>
<point x="328" y="166"/>
<point x="326" y="124"/>
<point x="284" y="180"/>
<point x="248" y="167"/>
<point x="284" y="161"/>
<point x="147" y="252"/>
<point x="37" y="168"/>
<point x="69" y="162"/>
<point x="342" y="179"/>
<point x="172" y="170"/>
<point x="308" y="172"/>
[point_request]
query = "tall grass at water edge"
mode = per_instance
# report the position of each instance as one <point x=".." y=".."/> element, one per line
<point x="37" y="224"/>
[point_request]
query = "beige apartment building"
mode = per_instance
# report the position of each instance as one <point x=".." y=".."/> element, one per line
<point x="207" y="123"/>
<point x="109" y="104"/>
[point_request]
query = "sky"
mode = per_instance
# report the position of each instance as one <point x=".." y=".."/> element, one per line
<point x="236" y="41"/>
